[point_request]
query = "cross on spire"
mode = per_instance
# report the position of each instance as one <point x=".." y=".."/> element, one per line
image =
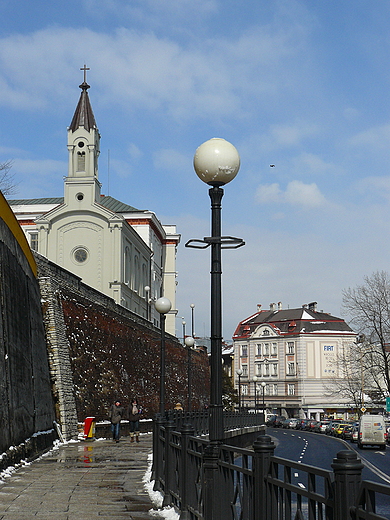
<point x="85" y="68"/>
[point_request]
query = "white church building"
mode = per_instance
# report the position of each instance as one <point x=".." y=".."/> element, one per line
<point x="115" y="248"/>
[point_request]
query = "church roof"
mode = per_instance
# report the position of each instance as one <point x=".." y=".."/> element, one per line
<point x="83" y="115"/>
<point x="105" y="200"/>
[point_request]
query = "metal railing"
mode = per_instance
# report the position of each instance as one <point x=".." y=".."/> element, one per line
<point x="208" y="481"/>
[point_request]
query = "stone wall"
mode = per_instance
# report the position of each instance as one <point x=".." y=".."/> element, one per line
<point x="100" y="351"/>
<point x="26" y="404"/>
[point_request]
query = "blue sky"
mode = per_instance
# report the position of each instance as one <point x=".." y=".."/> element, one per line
<point x="300" y="84"/>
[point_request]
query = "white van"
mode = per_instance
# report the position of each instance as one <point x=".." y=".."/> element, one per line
<point x="372" y="431"/>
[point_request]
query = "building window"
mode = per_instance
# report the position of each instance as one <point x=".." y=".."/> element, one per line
<point x="244" y="370"/>
<point x="274" y="369"/>
<point x="34" y="241"/>
<point x="274" y="349"/>
<point x="291" y="369"/>
<point x="290" y="347"/>
<point x="266" y="349"/>
<point x="244" y="351"/>
<point x="258" y="369"/>
<point x="275" y="389"/>
<point x="258" y="351"/>
<point x="291" y="389"/>
<point x="266" y="369"/>
<point x="244" y="389"/>
<point x="265" y="332"/>
<point x="80" y="254"/>
<point x="80" y="161"/>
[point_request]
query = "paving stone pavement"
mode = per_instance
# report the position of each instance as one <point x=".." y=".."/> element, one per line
<point x="85" y="480"/>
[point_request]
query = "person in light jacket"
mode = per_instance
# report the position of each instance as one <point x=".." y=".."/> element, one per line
<point x="134" y="411"/>
<point x="116" y="415"/>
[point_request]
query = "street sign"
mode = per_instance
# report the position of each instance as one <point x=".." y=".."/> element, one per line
<point x="387" y="404"/>
<point x="362" y="409"/>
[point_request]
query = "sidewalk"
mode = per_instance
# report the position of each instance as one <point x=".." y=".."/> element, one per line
<point x="88" y="479"/>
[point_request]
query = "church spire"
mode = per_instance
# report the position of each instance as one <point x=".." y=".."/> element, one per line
<point x="83" y="141"/>
<point x="83" y="115"/>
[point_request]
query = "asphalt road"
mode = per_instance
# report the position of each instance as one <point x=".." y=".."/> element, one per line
<point x="319" y="450"/>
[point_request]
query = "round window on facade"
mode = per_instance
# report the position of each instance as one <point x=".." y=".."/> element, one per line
<point x="80" y="196"/>
<point x="80" y="255"/>
<point x="80" y="144"/>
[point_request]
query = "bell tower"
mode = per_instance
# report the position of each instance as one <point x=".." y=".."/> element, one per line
<point x="82" y="181"/>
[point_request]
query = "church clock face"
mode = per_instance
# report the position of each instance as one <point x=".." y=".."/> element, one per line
<point x="80" y="255"/>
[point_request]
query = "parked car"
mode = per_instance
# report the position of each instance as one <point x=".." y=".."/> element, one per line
<point x="338" y="429"/>
<point x="292" y="423"/>
<point x="355" y="433"/>
<point x="275" y="421"/>
<point x="372" y="431"/>
<point x="310" y="425"/>
<point x="323" y="426"/>
<point x="301" y="423"/>
<point x="347" y="432"/>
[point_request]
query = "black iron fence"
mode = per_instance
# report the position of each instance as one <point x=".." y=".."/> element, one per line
<point x="211" y="481"/>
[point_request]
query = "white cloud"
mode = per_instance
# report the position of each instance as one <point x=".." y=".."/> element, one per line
<point x="376" y="137"/>
<point x="171" y="160"/>
<point x="297" y="193"/>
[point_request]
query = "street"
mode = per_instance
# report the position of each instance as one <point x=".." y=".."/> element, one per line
<point x="319" y="450"/>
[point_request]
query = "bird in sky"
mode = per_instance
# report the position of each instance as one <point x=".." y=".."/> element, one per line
<point x="272" y="166"/>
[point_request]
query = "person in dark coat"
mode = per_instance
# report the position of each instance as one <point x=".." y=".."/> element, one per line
<point x="134" y="411"/>
<point x="116" y="415"/>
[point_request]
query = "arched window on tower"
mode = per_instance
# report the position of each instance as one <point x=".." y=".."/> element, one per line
<point x="80" y="161"/>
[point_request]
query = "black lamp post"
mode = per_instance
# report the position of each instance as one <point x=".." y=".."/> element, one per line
<point x="216" y="162"/>
<point x="263" y="385"/>
<point x="254" y="379"/>
<point x="239" y="373"/>
<point x="189" y="342"/>
<point x="184" y="330"/>
<point x="192" y="305"/>
<point x="163" y="306"/>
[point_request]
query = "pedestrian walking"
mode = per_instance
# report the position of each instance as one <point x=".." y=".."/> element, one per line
<point x="133" y="413"/>
<point x="116" y="415"/>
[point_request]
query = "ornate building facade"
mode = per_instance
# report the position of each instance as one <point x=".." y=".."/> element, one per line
<point x="288" y="360"/>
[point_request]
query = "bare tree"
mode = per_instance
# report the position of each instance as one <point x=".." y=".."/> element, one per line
<point x="368" y="307"/>
<point x="7" y="179"/>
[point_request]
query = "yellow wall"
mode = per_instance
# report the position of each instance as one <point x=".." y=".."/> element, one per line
<point x="9" y="218"/>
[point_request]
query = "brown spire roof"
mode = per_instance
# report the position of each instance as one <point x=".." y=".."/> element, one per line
<point x="83" y="115"/>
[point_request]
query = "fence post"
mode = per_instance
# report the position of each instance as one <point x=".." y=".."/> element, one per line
<point x="211" y="490"/>
<point x="185" y="478"/>
<point x="168" y="469"/>
<point x="158" y="452"/>
<point x="347" y="470"/>
<point x="264" y="449"/>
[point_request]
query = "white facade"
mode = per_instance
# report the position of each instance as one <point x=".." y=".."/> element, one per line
<point x="294" y="352"/>
<point x="111" y="246"/>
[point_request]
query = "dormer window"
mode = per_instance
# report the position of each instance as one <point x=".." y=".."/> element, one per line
<point x="266" y="332"/>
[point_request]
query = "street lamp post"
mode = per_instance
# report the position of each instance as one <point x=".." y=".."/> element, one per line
<point x="184" y="330"/>
<point x="216" y="162"/>
<point x="254" y="379"/>
<point x="189" y="342"/>
<point x="147" y="297"/>
<point x="192" y="306"/>
<point x="263" y="385"/>
<point x="239" y="373"/>
<point x="163" y="306"/>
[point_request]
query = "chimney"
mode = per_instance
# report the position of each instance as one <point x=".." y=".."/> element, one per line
<point x="258" y="307"/>
<point x="313" y="306"/>
<point x="272" y="306"/>
<point x="279" y="306"/>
